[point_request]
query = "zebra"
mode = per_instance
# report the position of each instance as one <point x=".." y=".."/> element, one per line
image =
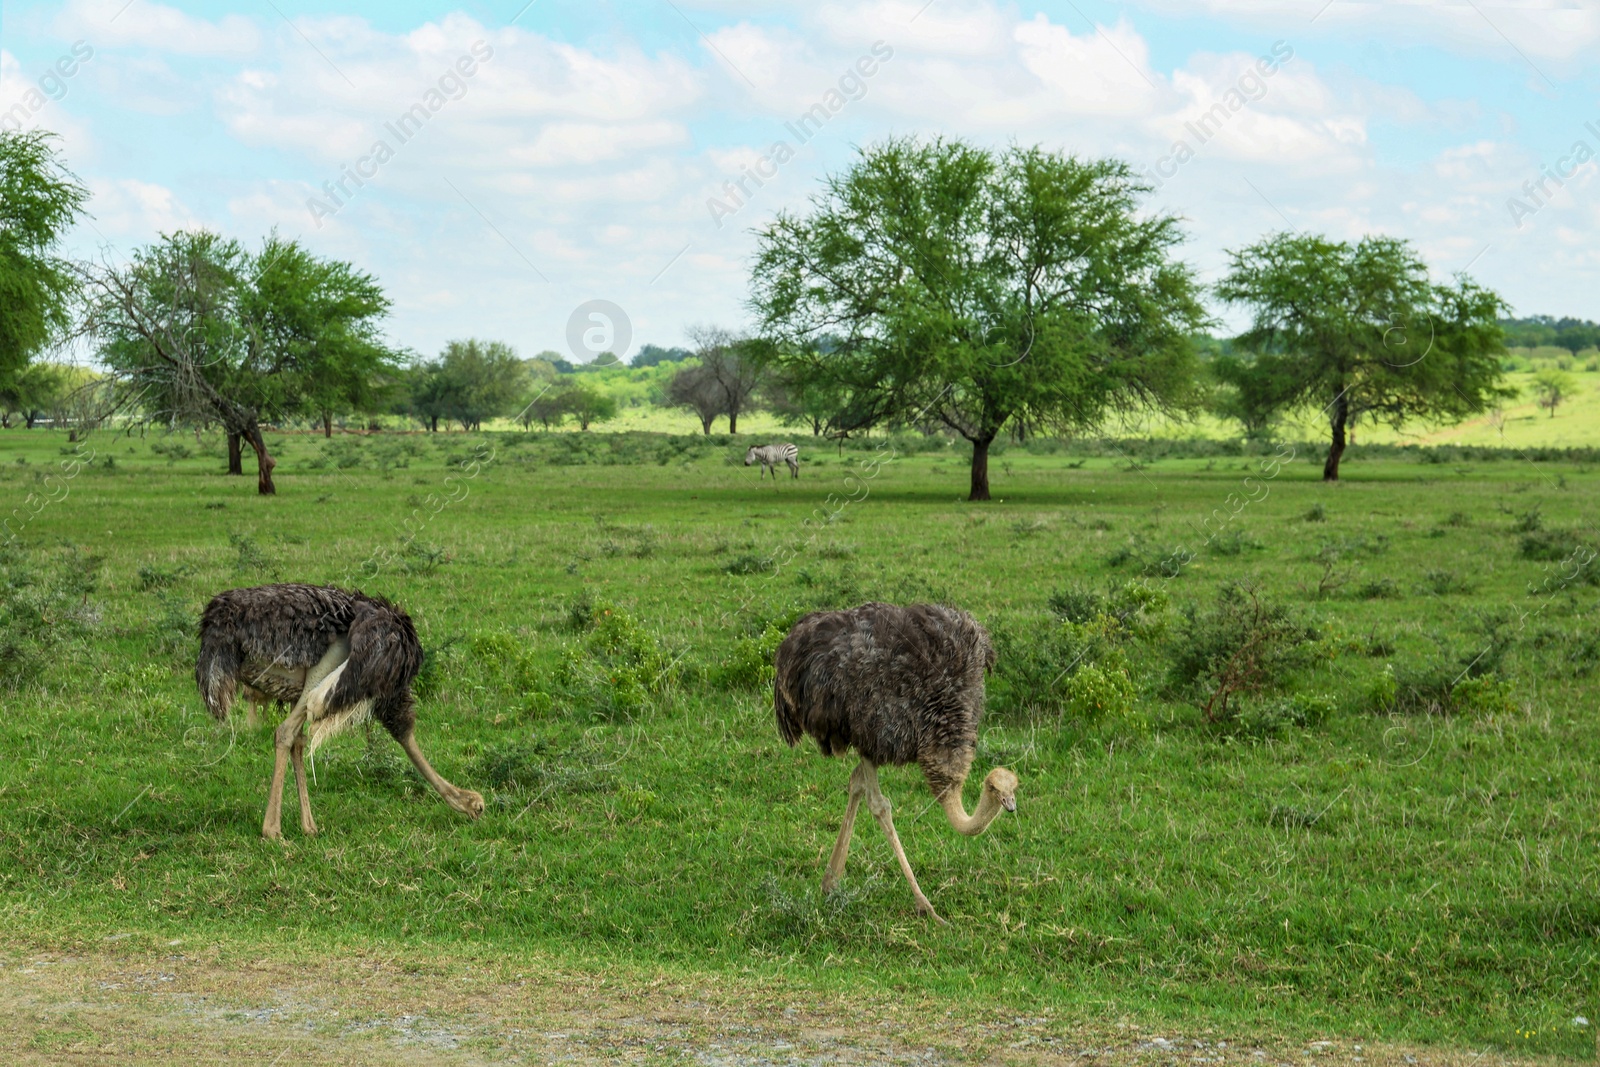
<point x="769" y="456"/>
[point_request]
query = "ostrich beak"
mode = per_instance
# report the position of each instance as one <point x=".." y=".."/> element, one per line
<point x="1009" y="803"/>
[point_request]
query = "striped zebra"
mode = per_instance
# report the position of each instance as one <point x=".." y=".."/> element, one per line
<point x="769" y="456"/>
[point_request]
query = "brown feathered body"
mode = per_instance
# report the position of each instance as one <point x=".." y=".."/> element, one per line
<point x="898" y="684"/>
<point x="266" y="637"/>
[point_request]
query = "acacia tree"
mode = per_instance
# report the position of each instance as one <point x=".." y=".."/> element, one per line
<point x="39" y="199"/>
<point x="196" y="330"/>
<point x="726" y="360"/>
<point x="1359" y="331"/>
<point x="697" y="389"/>
<point x="482" y="379"/>
<point x="967" y="287"/>
<point x="321" y="318"/>
<point x="171" y="327"/>
<point x="1552" y="388"/>
<point x="588" y="404"/>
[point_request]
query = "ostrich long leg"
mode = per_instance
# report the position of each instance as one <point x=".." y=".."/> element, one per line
<point x="314" y="703"/>
<point x="297" y="757"/>
<point x="881" y="809"/>
<point x="841" y="847"/>
<point x="288" y="730"/>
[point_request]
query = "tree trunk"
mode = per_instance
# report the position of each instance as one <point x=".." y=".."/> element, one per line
<point x="235" y="455"/>
<point x="264" y="462"/>
<point x="327" y="424"/>
<point x="980" y="468"/>
<point x="705" y="425"/>
<point x="1341" y="414"/>
<point x="733" y="422"/>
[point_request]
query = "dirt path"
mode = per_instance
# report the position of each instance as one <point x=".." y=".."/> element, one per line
<point x="175" y="1008"/>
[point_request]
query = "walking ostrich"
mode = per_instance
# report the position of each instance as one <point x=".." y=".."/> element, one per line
<point x="339" y="656"/>
<point x="901" y="685"/>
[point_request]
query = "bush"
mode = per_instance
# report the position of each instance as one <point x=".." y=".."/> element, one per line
<point x="1275" y="716"/>
<point x="44" y="604"/>
<point x="1442" y="582"/>
<point x="1549" y="545"/>
<point x="617" y="663"/>
<point x="1379" y="589"/>
<point x="750" y="663"/>
<point x="1136" y="608"/>
<point x="748" y="563"/>
<point x="1097" y="690"/>
<point x="1243" y="645"/>
<point x="1038" y="660"/>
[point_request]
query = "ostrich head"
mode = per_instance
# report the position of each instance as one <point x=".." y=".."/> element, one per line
<point x="1003" y="784"/>
<point x="466" y="802"/>
<point x="750" y="456"/>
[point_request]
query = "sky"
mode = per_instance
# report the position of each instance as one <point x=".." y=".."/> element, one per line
<point x="573" y="176"/>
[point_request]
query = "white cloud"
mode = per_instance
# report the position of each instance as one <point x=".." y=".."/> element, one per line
<point x="138" y="210"/>
<point x="1558" y="30"/>
<point x="111" y="23"/>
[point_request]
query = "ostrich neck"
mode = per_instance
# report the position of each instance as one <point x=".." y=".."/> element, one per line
<point x="978" y="821"/>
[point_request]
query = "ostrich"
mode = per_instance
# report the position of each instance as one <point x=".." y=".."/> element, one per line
<point x="902" y="685"/>
<point x="340" y="656"/>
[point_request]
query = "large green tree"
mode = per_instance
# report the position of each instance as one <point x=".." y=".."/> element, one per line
<point x="961" y="286"/>
<point x="39" y="199"/>
<point x="196" y="330"/>
<point x="478" y="380"/>
<point x="1360" y="332"/>
<point x="321" y="318"/>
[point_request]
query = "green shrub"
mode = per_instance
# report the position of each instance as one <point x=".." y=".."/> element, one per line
<point x="1242" y="645"/>
<point x="44" y="604"/>
<point x="617" y="664"/>
<point x="1038" y="661"/>
<point x="1444" y="582"/>
<point x="1551" y="545"/>
<point x="1099" y="690"/>
<point x="748" y="665"/>
<point x="1136" y="608"/>
<point x="1528" y="522"/>
<point x="1379" y="589"/>
<point x="1266" y="718"/>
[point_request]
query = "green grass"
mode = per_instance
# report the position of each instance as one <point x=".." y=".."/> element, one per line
<point x="1424" y="877"/>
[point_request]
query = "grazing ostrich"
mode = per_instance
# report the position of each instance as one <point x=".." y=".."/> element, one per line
<point x="340" y="656"/>
<point x="902" y="685"/>
<point x="769" y="456"/>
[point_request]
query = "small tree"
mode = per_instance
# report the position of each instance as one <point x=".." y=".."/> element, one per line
<point x="1358" y="331"/>
<point x="171" y="328"/>
<point x="725" y="358"/>
<point x="547" y="408"/>
<point x="697" y="389"/>
<point x="429" y="394"/>
<point x="1552" y="388"/>
<point x="588" y="404"/>
<point x="1575" y="335"/>
<point x="1253" y="392"/>
<point x="482" y="379"/>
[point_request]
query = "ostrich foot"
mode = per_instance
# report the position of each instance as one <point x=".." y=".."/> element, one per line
<point x="925" y="909"/>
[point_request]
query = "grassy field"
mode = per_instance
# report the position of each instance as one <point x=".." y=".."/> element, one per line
<point x="1396" y="841"/>
<point x="1520" y="423"/>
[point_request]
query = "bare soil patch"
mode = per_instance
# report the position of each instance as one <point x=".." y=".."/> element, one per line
<point x="191" y="1006"/>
